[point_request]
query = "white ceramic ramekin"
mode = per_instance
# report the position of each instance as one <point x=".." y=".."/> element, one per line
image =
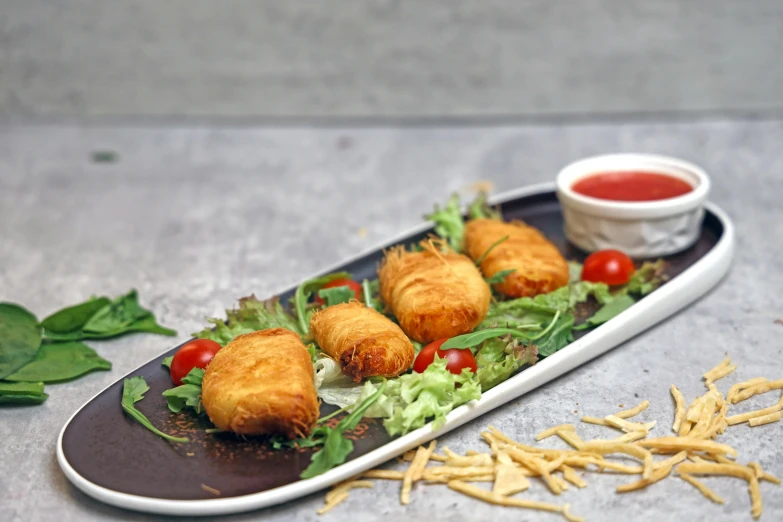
<point x="640" y="229"/>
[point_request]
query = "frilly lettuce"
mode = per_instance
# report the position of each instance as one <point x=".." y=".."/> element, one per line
<point x="250" y="316"/>
<point x="499" y="358"/>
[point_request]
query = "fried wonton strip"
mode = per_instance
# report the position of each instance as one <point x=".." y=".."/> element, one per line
<point x="766" y="419"/>
<point x="703" y="423"/>
<point x="569" y="516"/>
<point x="458" y="472"/>
<point x="761" y="474"/>
<point x="571" y="438"/>
<point x="553" y="431"/>
<point x="480" y="459"/>
<point x="628" y="426"/>
<point x="677" y="444"/>
<point x="721" y="370"/>
<point x="573" y="477"/>
<point x="415" y="470"/>
<point x="509" y="480"/>
<point x="703" y="489"/>
<point x="694" y="410"/>
<point x="732" y="470"/>
<point x="634" y="450"/>
<point x="685" y="428"/>
<point x="632" y="436"/>
<point x="743" y="385"/>
<point x="757" y="389"/>
<point x="595" y="420"/>
<point x="387" y="474"/>
<point x="487" y="496"/>
<point x="679" y="408"/>
<point x="633" y="412"/>
<point x="744" y="417"/>
<point x="340" y="493"/>
<point x="536" y="465"/>
<point x="660" y="471"/>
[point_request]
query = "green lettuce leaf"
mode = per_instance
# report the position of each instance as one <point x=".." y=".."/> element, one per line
<point x="608" y="311"/>
<point x="499" y="358"/>
<point x="558" y="336"/>
<point x="336" y="295"/>
<point x="250" y="316"/>
<point x="644" y="280"/>
<point x="449" y="224"/>
<point x="188" y="394"/>
<point x="479" y="208"/>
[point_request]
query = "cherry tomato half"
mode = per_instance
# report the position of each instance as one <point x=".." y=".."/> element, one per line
<point x="608" y="266"/>
<point x="458" y="358"/>
<point x="198" y="353"/>
<point x="350" y="283"/>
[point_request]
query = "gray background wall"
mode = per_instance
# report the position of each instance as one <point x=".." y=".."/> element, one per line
<point x="391" y="58"/>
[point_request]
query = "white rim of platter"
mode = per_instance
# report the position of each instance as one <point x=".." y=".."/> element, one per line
<point x="670" y="298"/>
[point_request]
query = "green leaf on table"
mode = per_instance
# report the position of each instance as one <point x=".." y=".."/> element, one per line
<point x="133" y="391"/>
<point x="20" y="338"/>
<point x="22" y="393"/>
<point x="60" y="362"/>
<point x="608" y="311"/>
<point x="74" y="317"/>
<point x="336" y="295"/>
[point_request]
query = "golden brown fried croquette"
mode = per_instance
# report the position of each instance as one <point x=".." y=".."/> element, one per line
<point x="539" y="265"/>
<point x="433" y="293"/>
<point x="262" y="383"/>
<point x="365" y="343"/>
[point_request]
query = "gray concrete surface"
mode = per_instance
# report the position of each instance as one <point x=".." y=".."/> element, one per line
<point x="195" y="218"/>
<point x="248" y="59"/>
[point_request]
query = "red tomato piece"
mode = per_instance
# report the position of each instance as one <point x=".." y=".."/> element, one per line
<point x="197" y="353"/>
<point x="458" y="358"/>
<point x="608" y="266"/>
<point x="350" y="283"/>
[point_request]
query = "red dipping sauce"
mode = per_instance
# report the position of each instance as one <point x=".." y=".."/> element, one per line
<point x="631" y="186"/>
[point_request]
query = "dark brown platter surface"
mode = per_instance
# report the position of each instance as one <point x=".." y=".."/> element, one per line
<point x="110" y="450"/>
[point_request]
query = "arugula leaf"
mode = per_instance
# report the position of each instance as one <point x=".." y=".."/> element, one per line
<point x="74" y="317"/>
<point x="188" y="394"/>
<point x="22" y="393"/>
<point x="133" y="391"/>
<point x="499" y="277"/>
<point x="558" y="336"/>
<point x="608" y="311"/>
<point x="336" y="295"/>
<point x="60" y="362"/>
<point x="303" y="293"/>
<point x="475" y="338"/>
<point x="251" y="315"/>
<point x="20" y="338"/>
<point x="483" y="256"/>
<point x="336" y="447"/>
<point x="479" y="208"/>
<point x="449" y="224"/>
<point x="499" y="358"/>
<point x="167" y="361"/>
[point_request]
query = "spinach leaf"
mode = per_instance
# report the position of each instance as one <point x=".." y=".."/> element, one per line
<point x="251" y="315"/>
<point x="74" y="317"/>
<point x="558" y="337"/>
<point x="337" y="447"/>
<point x="336" y="295"/>
<point x="120" y="316"/>
<point x="60" y="362"/>
<point x="133" y="391"/>
<point x="499" y="277"/>
<point x="608" y="311"/>
<point x="167" y="361"/>
<point x="188" y="394"/>
<point x="20" y="338"/>
<point x="303" y="293"/>
<point x="22" y="393"/>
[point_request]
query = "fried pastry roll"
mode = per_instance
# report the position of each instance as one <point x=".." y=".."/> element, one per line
<point x="539" y="266"/>
<point x="365" y="343"/>
<point x="262" y="383"/>
<point x="434" y="294"/>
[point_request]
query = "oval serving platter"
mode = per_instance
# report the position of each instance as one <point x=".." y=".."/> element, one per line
<point x="113" y="459"/>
